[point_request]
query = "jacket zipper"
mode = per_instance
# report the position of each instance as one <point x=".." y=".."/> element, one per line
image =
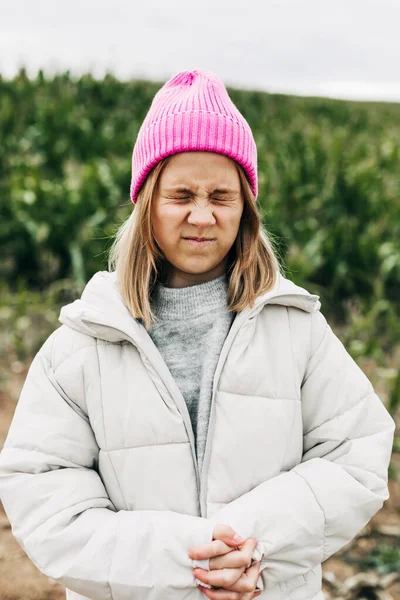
<point x="221" y="361"/>
<point x="179" y="400"/>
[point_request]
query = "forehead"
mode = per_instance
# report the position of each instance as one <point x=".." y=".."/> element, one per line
<point x="200" y="169"/>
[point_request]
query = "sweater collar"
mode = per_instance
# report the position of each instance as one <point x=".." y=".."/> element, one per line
<point x="191" y="301"/>
<point x="101" y="312"/>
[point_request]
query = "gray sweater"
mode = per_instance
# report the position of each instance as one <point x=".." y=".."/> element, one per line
<point x="191" y="327"/>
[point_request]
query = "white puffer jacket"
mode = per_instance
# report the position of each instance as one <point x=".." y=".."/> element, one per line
<point x="98" y="474"/>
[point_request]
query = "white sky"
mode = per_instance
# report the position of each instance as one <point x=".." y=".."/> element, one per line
<point x="337" y="48"/>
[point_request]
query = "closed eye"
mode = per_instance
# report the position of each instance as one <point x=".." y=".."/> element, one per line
<point x="188" y="198"/>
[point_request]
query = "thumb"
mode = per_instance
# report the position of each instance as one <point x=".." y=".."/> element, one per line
<point x="228" y="535"/>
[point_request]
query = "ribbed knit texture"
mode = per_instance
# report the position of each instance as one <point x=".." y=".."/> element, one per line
<point x="191" y="327"/>
<point x="193" y="111"/>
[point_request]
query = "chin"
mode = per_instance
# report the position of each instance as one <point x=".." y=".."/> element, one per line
<point x="199" y="266"/>
<point x="195" y="270"/>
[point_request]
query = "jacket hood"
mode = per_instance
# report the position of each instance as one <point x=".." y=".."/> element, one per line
<point x="101" y="312"/>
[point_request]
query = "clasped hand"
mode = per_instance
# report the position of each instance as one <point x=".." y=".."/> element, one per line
<point x="230" y="572"/>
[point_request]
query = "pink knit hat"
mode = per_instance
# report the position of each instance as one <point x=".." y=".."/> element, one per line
<point x="193" y="111"/>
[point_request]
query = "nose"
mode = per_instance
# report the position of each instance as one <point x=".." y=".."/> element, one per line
<point x="201" y="216"/>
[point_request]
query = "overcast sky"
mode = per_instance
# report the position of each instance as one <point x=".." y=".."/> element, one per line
<point x="338" y="48"/>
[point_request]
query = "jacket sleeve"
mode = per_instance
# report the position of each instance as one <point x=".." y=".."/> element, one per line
<point x="303" y="516"/>
<point x="62" y="517"/>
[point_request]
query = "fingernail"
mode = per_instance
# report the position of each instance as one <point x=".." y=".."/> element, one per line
<point x="237" y="538"/>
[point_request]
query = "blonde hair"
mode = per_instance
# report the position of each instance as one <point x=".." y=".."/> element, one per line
<point x="139" y="263"/>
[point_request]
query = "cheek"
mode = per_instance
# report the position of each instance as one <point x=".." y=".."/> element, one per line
<point x="164" y="237"/>
<point x="166" y="228"/>
<point x="230" y="225"/>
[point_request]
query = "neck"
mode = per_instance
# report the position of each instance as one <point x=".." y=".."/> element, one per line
<point x="175" y="278"/>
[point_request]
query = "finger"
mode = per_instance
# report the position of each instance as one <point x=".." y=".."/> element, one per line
<point x="227" y="534"/>
<point x="214" y="548"/>
<point x="256" y="574"/>
<point x="220" y="578"/>
<point x="255" y="595"/>
<point x="251" y="595"/>
<point x="220" y="594"/>
<point x="247" y="583"/>
<point x="237" y="558"/>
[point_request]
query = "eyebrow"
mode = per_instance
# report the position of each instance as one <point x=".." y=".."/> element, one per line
<point x="187" y="190"/>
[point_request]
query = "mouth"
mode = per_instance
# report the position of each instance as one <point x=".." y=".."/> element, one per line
<point x="199" y="242"/>
<point x="198" y="239"/>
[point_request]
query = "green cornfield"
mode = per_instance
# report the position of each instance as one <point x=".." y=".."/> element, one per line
<point x="329" y="189"/>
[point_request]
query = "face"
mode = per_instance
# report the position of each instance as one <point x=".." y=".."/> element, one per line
<point x="198" y="196"/>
